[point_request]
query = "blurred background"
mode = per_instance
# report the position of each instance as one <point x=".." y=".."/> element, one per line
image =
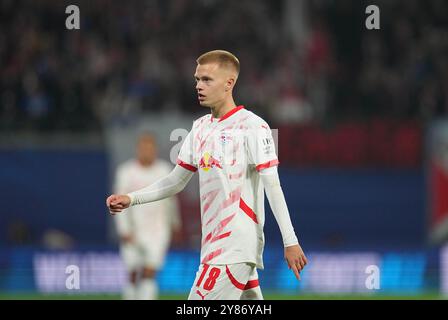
<point x="362" y="136"/>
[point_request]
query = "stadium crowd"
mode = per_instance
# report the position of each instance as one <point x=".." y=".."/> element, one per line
<point x="138" y="57"/>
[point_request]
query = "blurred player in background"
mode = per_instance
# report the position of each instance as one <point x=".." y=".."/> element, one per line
<point x="234" y="151"/>
<point x="145" y="231"/>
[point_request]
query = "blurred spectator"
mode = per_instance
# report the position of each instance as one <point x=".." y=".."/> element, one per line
<point x="292" y="108"/>
<point x="18" y="233"/>
<point x="54" y="239"/>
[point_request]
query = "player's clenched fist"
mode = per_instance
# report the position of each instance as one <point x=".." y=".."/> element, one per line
<point x="116" y="203"/>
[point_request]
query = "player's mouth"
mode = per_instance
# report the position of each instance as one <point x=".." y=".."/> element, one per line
<point x="201" y="97"/>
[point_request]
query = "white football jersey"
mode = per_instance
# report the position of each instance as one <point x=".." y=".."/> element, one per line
<point x="228" y="152"/>
<point x="151" y="222"/>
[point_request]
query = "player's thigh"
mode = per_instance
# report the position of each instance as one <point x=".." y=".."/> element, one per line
<point x="252" y="290"/>
<point x="130" y="255"/>
<point x="153" y="254"/>
<point x="220" y="282"/>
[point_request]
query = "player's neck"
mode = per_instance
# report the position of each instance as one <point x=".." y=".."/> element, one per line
<point x="220" y="110"/>
<point x="145" y="163"/>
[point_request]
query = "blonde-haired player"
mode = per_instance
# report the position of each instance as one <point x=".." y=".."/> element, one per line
<point x="233" y="150"/>
<point x="144" y="231"/>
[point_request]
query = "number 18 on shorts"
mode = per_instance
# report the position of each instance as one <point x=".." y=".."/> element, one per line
<point x="226" y="282"/>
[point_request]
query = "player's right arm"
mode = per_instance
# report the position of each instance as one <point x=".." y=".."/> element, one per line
<point x="166" y="187"/>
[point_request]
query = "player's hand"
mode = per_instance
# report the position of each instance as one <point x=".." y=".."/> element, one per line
<point x="117" y="203"/>
<point x="295" y="258"/>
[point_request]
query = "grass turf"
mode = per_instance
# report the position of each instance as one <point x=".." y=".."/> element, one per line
<point x="267" y="296"/>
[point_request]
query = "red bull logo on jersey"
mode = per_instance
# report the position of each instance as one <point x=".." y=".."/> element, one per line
<point x="207" y="162"/>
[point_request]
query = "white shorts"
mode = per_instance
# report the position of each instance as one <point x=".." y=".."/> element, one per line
<point x="226" y="282"/>
<point x="139" y="255"/>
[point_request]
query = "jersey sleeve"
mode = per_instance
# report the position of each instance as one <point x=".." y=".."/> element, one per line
<point x="185" y="158"/>
<point x="260" y="146"/>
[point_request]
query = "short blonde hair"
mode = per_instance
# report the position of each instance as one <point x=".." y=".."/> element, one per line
<point x="222" y="58"/>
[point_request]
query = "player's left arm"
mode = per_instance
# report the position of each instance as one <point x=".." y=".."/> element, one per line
<point x="261" y="153"/>
<point x="294" y="255"/>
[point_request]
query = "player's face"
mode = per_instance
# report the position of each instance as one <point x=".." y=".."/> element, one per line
<point x="146" y="150"/>
<point x="211" y="84"/>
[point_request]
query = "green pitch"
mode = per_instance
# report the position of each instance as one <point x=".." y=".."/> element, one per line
<point x="268" y="296"/>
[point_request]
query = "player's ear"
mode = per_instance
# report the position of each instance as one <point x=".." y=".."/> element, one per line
<point x="230" y="83"/>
